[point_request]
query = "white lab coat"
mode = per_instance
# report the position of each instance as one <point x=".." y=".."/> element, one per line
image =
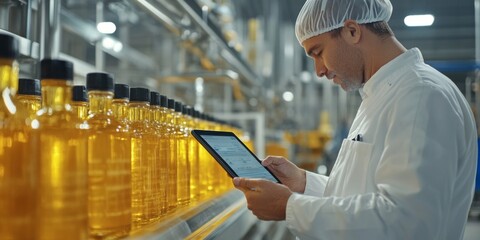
<point x="411" y="176"/>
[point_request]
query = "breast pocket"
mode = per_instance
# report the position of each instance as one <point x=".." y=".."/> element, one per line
<point x="350" y="172"/>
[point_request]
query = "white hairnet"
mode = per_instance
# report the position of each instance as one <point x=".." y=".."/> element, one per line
<point x="320" y="16"/>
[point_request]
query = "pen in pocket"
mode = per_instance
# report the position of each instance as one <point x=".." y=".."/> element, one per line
<point x="358" y="138"/>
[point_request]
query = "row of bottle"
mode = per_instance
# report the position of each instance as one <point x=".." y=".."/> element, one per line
<point x="67" y="174"/>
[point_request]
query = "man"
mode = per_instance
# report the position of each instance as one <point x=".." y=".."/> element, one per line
<point x="407" y="168"/>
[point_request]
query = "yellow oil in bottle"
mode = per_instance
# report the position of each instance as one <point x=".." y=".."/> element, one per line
<point x="29" y="95"/>
<point x="164" y="143"/>
<point x="151" y="177"/>
<point x="206" y="165"/>
<point x="80" y="101"/>
<point x="159" y="170"/>
<point x="143" y="146"/>
<point x="109" y="144"/>
<point x="218" y="172"/>
<point x="61" y="177"/>
<point x="17" y="187"/>
<point x="172" y="157"/>
<point x="192" y="155"/>
<point x="183" y="168"/>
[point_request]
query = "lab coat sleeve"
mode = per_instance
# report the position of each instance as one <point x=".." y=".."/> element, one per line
<point x="414" y="178"/>
<point x="315" y="184"/>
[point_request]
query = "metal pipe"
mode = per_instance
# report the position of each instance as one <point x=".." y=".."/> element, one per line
<point x="164" y="19"/>
<point x="259" y="118"/>
<point x="226" y="53"/>
<point x="199" y="90"/>
<point x="227" y="98"/>
<point x="99" y="55"/>
<point x="49" y="28"/>
<point x="27" y="19"/>
<point x="90" y="33"/>
<point x="5" y="14"/>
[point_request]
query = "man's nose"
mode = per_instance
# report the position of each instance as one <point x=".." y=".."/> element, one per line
<point x="321" y="70"/>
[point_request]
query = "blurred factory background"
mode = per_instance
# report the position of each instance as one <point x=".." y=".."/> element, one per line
<point x="238" y="60"/>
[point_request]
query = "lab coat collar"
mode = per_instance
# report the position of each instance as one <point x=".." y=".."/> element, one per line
<point x="388" y="73"/>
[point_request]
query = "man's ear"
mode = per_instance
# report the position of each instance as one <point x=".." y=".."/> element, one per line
<point x="352" y="32"/>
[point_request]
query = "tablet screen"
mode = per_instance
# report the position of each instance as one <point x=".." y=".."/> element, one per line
<point x="237" y="156"/>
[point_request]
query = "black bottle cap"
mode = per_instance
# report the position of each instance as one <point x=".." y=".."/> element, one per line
<point x="139" y="95"/>
<point x="171" y="103"/>
<point x="9" y="46"/>
<point x="191" y="111"/>
<point x="178" y="106"/>
<point x="121" y="91"/>
<point x="185" y="109"/>
<point x="56" y="69"/>
<point x="29" y="86"/>
<point x="100" y="81"/>
<point x="163" y="101"/>
<point x="79" y="93"/>
<point x="154" y="98"/>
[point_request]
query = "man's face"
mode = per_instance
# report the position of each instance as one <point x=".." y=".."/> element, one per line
<point x="336" y="59"/>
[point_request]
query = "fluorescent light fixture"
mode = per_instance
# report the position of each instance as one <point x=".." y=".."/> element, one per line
<point x="419" y="20"/>
<point x="287" y="96"/>
<point x="106" y="27"/>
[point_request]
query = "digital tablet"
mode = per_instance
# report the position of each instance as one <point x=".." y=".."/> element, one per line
<point x="233" y="155"/>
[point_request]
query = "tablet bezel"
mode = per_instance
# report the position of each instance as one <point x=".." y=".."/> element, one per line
<point x="198" y="135"/>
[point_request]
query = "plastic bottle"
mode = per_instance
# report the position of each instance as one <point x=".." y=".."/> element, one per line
<point x="143" y="147"/>
<point x="205" y="184"/>
<point x="165" y="145"/>
<point x="172" y="157"/>
<point x="61" y="200"/>
<point x="29" y="95"/>
<point x="109" y="144"/>
<point x="80" y="101"/>
<point x="183" y="168"/>
<point x="159" y="168"/>
<point x="192" y="154"/>
<point x="17" y="194"/>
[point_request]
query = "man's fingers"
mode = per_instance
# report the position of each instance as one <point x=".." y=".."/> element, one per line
<point x="242" y="183"/>
<point x="246" y="184"/>
<point x="267" y="161"/>
<point x="272" y="160"/>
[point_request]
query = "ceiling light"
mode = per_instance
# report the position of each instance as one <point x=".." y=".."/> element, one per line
<point x="117" y="47"/>
<point x="106" y="27"/>
<point x="419" y="20"/>
<point x="108" y="43"/>
<point x="112" y="44"/>
<point x="287" y="96"/>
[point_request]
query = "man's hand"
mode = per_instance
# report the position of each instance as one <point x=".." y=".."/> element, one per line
<point x="288" y="173"/>
<point x="267" y="200"/>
